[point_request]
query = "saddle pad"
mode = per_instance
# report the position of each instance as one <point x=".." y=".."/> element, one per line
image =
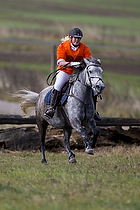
<point x="47" y="98"/>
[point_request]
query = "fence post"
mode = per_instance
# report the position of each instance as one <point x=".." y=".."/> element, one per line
<point x="53" y="58"/>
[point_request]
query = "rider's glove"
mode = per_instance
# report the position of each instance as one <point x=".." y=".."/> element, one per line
<point x="75" y="64"/>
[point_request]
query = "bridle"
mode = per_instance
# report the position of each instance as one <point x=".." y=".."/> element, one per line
<point x="93" y="77"/>
<point x="91" y="86"/>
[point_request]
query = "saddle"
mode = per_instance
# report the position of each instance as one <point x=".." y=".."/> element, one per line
<point x="63" y="94"/>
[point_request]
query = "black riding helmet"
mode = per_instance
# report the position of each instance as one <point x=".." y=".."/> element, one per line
<point x="76" y="32"/>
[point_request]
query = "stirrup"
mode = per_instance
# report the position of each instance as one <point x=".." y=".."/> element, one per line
<point x="49" y="112"/>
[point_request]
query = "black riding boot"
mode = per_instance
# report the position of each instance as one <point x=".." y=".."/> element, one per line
<point x="96" y="115"/>
<point x="54" y="99"/>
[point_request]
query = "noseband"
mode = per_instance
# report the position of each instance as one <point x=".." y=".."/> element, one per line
<point x="89" y="77"/>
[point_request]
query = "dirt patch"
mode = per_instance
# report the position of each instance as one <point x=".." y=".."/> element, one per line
<point x="27" y="138"/>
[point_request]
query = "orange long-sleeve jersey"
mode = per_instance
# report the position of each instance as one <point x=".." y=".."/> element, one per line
<point x="65" y="52"/>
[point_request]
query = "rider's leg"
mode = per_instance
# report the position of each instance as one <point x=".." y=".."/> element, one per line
<point x="54" y="98"/>
<point x="61" y="79"/>
<point x="96" y="115"/>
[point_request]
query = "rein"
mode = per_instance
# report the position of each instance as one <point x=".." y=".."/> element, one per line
<point x="72" y="95"/>
<point x="54" y="73"/>
<point x="52" y="79"/>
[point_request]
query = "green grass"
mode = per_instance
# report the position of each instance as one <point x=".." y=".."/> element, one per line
<point x="107" y="180"/>
<point x="120" y="5"/>
<point x="130" y="23"/>
<point x="126" y="85"/>
<point x="43" y="68"/>
<point x="121" y="97"/>
<point x="124" y="23"/>
<point x="120" y="18"/>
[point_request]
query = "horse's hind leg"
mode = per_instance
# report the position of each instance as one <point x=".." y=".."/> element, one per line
<point x="66" y="143"/>
<point x="42" y="126"/>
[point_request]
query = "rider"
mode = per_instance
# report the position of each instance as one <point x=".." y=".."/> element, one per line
<point x="69" y="55"/>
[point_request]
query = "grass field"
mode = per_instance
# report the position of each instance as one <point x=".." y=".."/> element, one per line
<point x="127" y="85"/>
<point x="108" y="180"/>
<point x="98" y="19"/>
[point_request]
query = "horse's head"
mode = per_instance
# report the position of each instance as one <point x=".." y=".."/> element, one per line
<point x="94" y="75"/>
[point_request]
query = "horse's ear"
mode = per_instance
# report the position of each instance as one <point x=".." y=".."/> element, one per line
<point x="86" y="61"/>
<point x="99" y="61"/>
<point x="82" y="64"/>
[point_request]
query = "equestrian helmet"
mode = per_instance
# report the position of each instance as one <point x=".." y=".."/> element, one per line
<point x="75" y="32"/>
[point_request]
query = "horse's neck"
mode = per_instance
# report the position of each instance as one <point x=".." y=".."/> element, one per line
<point x="82" y="91"/>
<point x="79" y="87"/>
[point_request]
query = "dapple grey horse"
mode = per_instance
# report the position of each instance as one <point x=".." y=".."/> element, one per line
<point x="77" y="112"/>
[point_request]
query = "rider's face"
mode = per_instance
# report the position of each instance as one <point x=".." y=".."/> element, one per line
<point x="75" y="40"/>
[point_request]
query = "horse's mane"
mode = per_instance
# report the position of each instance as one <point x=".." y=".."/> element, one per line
<point x="97" y="62"/>
<point x="76" y="71"/>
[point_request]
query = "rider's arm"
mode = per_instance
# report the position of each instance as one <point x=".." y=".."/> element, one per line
<point x="61" y="56"/>
<point x="63" y="63"/>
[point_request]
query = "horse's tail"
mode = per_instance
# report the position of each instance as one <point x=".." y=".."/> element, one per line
<point x="27" y="99"/>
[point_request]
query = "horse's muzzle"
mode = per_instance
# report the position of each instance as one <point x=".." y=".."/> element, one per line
<point x="100" y="87"/>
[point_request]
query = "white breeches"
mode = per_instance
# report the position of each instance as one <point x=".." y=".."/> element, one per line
<point x="61" y="78"/>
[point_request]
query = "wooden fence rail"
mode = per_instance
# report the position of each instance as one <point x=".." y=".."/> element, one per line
<point x="106" y="121"/>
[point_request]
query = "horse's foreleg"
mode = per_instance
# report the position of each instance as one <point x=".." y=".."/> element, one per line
<point x="66" y="143"/>
<point x="76" y="124"/>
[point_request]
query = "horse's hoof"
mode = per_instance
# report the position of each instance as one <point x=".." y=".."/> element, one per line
<point x="44" y="161"/>
<point x="72" y="160"/>
<point x="89" y="151"/>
